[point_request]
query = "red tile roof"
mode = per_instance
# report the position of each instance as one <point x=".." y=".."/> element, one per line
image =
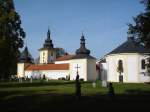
<point x="48" y="67"/>
<point x="65" y="57"/>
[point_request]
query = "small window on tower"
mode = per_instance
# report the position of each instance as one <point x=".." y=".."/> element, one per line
<point x="51" y="53"/>
<point x="43" y="53"/>
<point x="143" y="64"/>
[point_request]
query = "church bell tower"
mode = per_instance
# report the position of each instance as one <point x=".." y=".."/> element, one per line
<point x="48" y="52"/>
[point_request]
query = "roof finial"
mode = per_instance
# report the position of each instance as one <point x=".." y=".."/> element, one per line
<point x="48" y="33"/>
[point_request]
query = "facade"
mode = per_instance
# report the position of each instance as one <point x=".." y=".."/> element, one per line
<point x="126" y="63"/>
<point x="54" y="64"/>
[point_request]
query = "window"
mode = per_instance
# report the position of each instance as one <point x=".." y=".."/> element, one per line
<point x="143" y="64"/>
<point x="51" y="53"/>
<point x="120" y="66"/>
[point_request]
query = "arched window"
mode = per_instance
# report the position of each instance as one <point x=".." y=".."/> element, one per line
<point x="142" y="64"/>
<point x="120" y="66"/>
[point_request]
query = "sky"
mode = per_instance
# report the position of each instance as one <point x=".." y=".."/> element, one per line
<point x="103" y="23"/>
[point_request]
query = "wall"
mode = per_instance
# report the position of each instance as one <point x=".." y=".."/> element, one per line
<point x="132" y="68"/>
<point x="47" y="56"/>
<point x="43" y="56"/>
<point x="91" y="69"/>
<point x="21" y="69"/>
<point x="50" y="74"/>
<point x="62" y="62"/>
<point x="82" y="63"/>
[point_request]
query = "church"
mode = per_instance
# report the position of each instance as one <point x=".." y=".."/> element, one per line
<point x="126" y="63"/>
<point x="54" y="63"/>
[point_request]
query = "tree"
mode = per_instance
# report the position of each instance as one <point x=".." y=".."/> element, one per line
<point x="120" y="70"/>
<point x="11" y="38"/>
<point x="141" y="29"/>
<point x="141" y="26"/>
<point x="120" y="67"/>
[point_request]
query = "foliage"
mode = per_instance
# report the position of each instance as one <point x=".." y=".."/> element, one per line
<point x="11" y="38"/>
<point x="141" y="27"/>
<point x="120" y="67"/>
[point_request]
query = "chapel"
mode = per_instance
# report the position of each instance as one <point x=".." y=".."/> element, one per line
<point x="126" y="63"/>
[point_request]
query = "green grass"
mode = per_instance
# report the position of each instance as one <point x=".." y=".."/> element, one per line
<point x="39" y="95"/>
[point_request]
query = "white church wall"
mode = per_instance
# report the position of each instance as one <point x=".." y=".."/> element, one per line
<point x="82" y="70"/>
<point x="112" y="64"/>
<point x="111" y="67"/>
<point x="143" y="75"/>
<point x="103" y="71"/>
<point x="20" y="69"/>
<point x="91" y="69"/>
<point x="132" y="72"/>
<point x="62" y="62"/>
<point x="50" y="74"/>
<point x="132" y="68"/>
<point x="53" y="74"/>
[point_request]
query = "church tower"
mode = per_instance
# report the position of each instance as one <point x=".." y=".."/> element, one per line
<point x="48" y="52"/>
<point x="24" y="61"/>
<point x="83" y="63"/>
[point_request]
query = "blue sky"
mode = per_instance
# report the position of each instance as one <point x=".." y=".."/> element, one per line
<point x="103" y="22"/>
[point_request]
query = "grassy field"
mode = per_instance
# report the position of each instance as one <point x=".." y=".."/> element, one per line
<point x="59" y="95"/>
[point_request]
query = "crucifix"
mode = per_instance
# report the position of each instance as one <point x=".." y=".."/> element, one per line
<point x="77" y="67"/>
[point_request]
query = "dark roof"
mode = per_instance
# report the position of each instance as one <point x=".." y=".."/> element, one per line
<point x="82" y="52"/>
<point x="48" y="42"/>
<point x="130" y="46"/>
<point x="82" y="49"/>
<point x="82" y="56"/>
<point x="25" y="56"/>
<point x="47" y="49"/>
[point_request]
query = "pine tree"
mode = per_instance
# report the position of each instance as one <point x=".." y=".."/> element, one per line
<point x="11" y="38"/>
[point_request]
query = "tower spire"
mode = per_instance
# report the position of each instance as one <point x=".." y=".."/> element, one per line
<point x="48" y="33"/>
<point x="48" y="42"/>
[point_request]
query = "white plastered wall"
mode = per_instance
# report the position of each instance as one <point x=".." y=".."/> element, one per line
<point x="91" y="69"/>
<point x="82" y="63"/>
<point x="131" y="65"/>
<point x="50" y="74"/>
<point x="21" y="69"/>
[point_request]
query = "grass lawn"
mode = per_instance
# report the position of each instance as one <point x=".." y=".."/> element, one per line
<point x="59" y="95"/>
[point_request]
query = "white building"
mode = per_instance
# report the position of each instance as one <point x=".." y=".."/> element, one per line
<point x="126" y="63"/>
<point x="54" y="67"/>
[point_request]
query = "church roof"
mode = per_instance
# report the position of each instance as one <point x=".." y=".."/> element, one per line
<point x="82" y="56"/>
<point x="48" y="42"/>
<point x="48" y="67"/>
<point x="25" y="56"/>
<point x="82" y="52"/>
<point x="65" y="57"/>
<point x="129" y="46"/>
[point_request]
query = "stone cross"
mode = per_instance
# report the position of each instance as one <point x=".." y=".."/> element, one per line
<point x="77" y="67"/>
